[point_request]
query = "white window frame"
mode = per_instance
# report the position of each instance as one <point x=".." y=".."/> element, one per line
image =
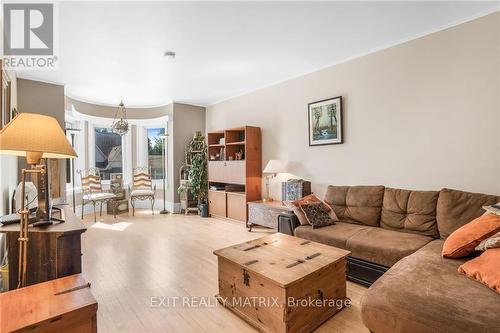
<point x="157" y="182"/>
<point x="126" y="143"/>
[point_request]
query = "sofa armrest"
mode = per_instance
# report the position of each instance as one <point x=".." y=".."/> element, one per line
<point x="287" y="222"/>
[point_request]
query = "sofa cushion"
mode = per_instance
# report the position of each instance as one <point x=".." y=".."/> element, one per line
<point x="457" y="208"/>
<point x="424" y="293"/>
<point x="410" y="211"/>
<point x="380" y="246"/>
<point x="333" y="235"/>
<point x="356" y="204"/>
<point x="384" y="247"/>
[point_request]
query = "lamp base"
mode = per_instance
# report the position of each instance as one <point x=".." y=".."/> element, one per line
<point x="164" y="212"/>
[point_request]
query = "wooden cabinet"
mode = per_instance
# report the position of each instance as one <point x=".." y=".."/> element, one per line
<point x="235" y="158"/>
<point x="236" y="206"/>
<point x="53" y="251"/>
<point x="217" y="203"/>
<point x="234" y="172"/>
<point x="231" y="172"/>
<point x="215" y="171"/>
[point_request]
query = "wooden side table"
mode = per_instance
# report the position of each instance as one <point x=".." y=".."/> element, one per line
<point x="265" y="213"/>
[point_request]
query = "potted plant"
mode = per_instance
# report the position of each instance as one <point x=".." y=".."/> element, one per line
<point x="196" y="174"/>
<point x="198" y="178"/>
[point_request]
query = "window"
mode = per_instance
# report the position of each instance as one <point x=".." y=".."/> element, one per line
<point x="108" y="152"/>
<point x="155" y="150"/>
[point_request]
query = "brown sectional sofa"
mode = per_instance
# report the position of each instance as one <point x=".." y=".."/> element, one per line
<point x="400" y="234"/>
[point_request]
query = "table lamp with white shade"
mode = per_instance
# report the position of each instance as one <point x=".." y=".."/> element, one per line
<point x="272" y="168"/>
<point x="36" y="137"/>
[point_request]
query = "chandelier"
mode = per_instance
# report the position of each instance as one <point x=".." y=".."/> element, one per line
<point x="120" y="123"/>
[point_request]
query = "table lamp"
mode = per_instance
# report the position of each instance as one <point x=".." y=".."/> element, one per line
<point x="272" y="168"/>
<point x="36" y="137"/>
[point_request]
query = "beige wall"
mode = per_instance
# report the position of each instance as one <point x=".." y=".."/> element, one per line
<point x="47" y="99"/>
<point x="422" y="115"/>
<point x="186" y="120"/>
<point x="8" y="164"/>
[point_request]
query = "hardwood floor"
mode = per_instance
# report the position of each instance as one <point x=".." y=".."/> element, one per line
<point x="134" y="261"/>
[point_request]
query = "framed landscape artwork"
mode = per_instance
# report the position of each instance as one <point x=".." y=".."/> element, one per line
<point x="325" y="122"/>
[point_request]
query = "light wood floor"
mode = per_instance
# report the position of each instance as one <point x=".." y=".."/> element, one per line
<point x="170" y="255"/>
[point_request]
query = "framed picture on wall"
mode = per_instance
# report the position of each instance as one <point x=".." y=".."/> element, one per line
<point x="325" y="122"/>
<point x="6" y="109"/>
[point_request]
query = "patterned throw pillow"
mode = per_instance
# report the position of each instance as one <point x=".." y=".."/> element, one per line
<point x="489" y="243"/>
<point x="317" y="215"/>
<point x="307" y="200"/>
<point x="495" y="209"/>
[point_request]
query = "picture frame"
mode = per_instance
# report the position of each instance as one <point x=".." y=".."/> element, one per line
<point x="5" y="92"/>
<point x="325" y="122"/>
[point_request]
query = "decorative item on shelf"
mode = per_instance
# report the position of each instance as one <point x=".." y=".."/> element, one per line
<point x="164" y="138"/>
<point x="120" y="123"/>
<point x="222" y="141"/>
<point x="239" y="155"/>
<point x="194" y="189"/>
<point x="272" y="168"/>
<point x="231" y="158"/>
<point x="212" y="157"/>
<point x="294" y="189"/>
<point x="36" y="137"/>
<point x="221" y="154"/>
<point x="325" y="122"/>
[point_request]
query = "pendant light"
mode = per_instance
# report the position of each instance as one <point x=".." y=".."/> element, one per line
<point x="120" y="123"/>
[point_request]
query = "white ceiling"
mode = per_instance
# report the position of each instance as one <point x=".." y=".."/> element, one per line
<point x="112" y="50"/>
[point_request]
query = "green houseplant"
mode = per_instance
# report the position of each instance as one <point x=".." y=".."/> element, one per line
<point x="197" y="174"/>
<point x="198" y="177"/>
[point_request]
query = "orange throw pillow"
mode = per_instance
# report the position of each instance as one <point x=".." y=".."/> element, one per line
<point x="484" y="269"/>
<point x="463" y="240"/>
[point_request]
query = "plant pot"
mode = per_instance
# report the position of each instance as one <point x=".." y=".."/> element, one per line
<point x="203" y="210"/>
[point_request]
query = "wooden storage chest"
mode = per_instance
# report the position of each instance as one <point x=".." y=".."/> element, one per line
<point x="281" y="283"/>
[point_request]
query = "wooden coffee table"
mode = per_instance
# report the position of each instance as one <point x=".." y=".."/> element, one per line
<point x="281" y="283"/>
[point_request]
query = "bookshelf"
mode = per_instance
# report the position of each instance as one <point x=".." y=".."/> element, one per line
<point x="234" y="171"/>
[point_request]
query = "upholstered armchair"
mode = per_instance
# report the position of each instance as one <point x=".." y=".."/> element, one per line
<point x="142" y="187"/>
<point x="92" y="191"/>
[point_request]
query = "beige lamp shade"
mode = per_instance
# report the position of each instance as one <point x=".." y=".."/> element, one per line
<point x="274" y="166"/>
<point x="35" y="134"/>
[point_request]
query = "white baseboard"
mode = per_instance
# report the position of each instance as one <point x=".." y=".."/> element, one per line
<point x="174" y="207"/>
